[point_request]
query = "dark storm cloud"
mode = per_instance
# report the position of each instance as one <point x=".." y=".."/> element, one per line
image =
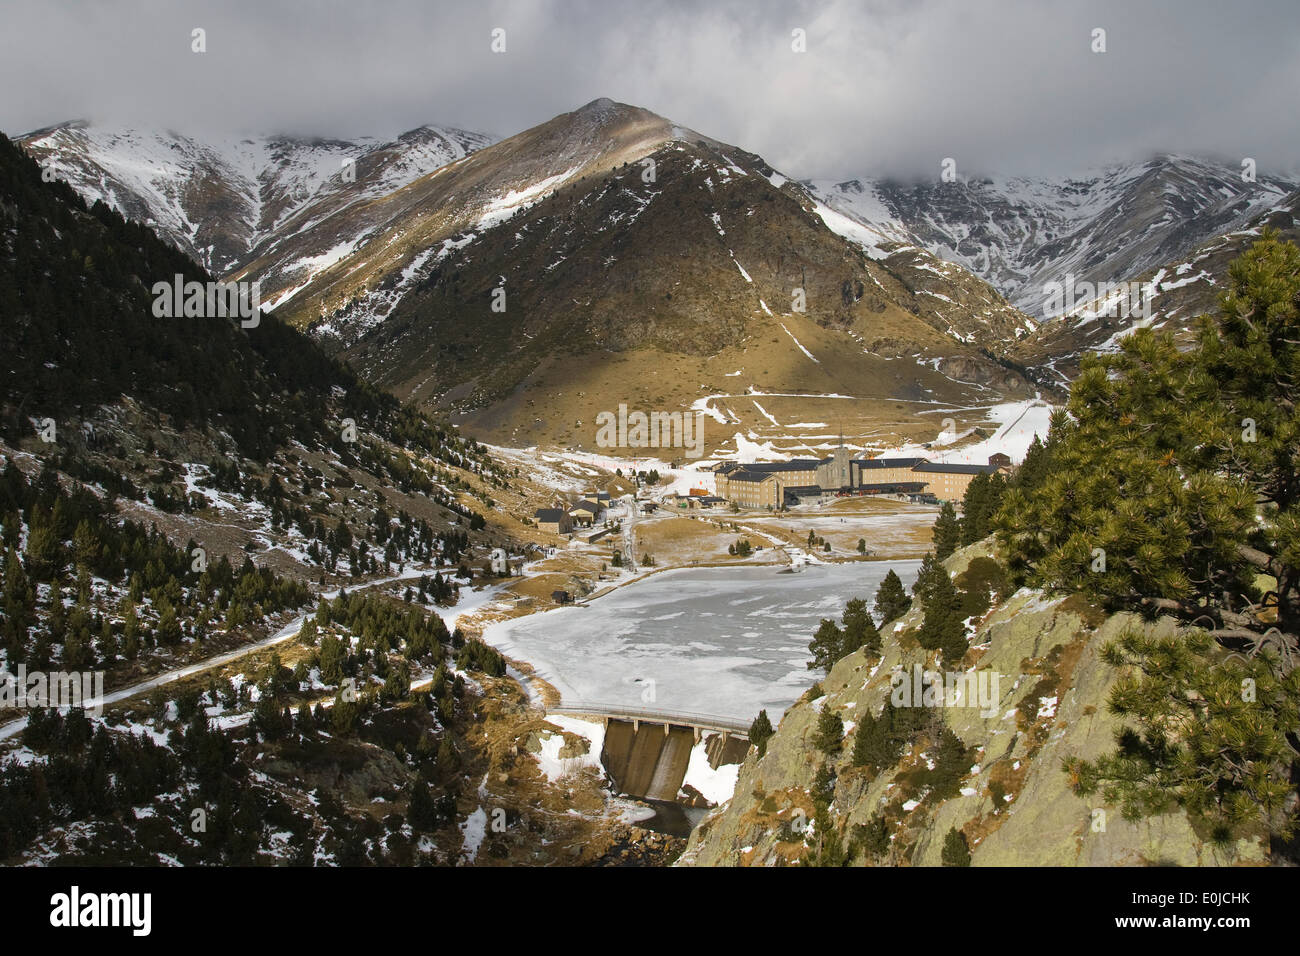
<point x="887" y="87"/>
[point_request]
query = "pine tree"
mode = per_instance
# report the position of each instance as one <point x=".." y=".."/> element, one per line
<point x="447" y="756"/>
<point x="421" y="811"/>
<point x="943" y="628"/>
<point x="760" y="732"/>
<point x="332" y="655"/>
<point x="1036" y="467"/>
<point x="950" y="765"/>
<point x="304" y="723"/>
<point x="825" y="645"/>
<point x="866" y="743"/>
<point x="1191" y="717"/>
<point x="947" y="532"/>
<point x="873" y="837"/>
<point x="85" y="546"/>
<point x="955" y="851"/>
<point x="343" y="715"/>
<point x="859" y="629"/>
<point x="107" y="645"/>
<point x="1173" y="489"/>
<point x="169" y="628"/>
<point x="45" y="553"/>
<point x="929" y="572"/>
<point x="892" y="601"/>
<point x="19" y="608"/>
<point x="829" y="736"/>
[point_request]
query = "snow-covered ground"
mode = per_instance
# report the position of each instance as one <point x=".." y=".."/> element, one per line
<point x="716" y="786"/>
<point x="722" y="641"/>
<point x="1018" y="423"/>
<point x="556" y="767"/>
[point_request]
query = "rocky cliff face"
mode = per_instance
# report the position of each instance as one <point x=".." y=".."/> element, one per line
<point x="1108" y="224"/>
<point x="1013" y="803"/>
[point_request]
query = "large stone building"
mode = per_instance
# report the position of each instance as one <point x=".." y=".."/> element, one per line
<point x="949" y="482"/>
<point x="792" y="477"/>
<point x="882" y="475"/>
<point x="754" y="489"/>
<point x="777" y="484"/>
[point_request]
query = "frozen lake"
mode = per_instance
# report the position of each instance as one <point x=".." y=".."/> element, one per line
<point x="722" y="641"/>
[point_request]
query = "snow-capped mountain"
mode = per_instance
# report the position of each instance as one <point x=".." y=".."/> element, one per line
<point x="618" y="236"/>
<point x="1022" y="234"/>
<point x="1172" y="296"/>
<point x="348" y="267"/>
<point x="222" y="200"/>
<point x="635" y="260"/>
<point x="338" y="232"/>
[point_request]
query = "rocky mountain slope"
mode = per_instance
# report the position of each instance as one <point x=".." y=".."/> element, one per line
<point x="1002" y="785"/>
<point x="1019" y="234"/>
<point x="1175" y="293"/>
<point x="227" y="201"/>
<point x="245" y="442"/>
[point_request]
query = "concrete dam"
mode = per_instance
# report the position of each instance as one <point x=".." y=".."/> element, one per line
<point x="647" y="754"/>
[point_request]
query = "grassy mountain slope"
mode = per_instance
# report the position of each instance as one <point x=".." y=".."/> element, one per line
<point x="655" y="293"/>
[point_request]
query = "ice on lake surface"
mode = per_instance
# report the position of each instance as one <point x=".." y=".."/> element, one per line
<point x="722" y="641"/>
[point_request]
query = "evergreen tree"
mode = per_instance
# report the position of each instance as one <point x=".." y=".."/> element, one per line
<point x="332" y="655"/>
<point x="983" y="500"/>
<point x="19" y="608"/>
<point x="943" y="628"/>
<point x="873" y="837"/>
<point x="1036" y="467"/>
<point x="947" y="532"/>
<point x="866" y="743"/>
<point x="305" y="723"/>
<point x="421" y="811"/>
<point x="45" y="553"/>
<point x="1174" y="488"/>
<point x="825" y="645"/>
<point x="1201" y="732"/>
<point x="343" y="715"/>
<point x="950" y="765"/>
<point x="892" y="601"/>
<point x="930" y="571"/>
<point x="760" y="732"/>
<point x="829" y="736"/>
<point x="879" y="740"/>
<point x="859" y="629"/>
<point x="955" y="851"/>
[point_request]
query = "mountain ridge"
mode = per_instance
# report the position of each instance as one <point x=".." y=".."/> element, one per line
<point x="1111" y="224"/>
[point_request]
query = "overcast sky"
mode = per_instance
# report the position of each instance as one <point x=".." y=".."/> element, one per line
<point x="884" y="88"/>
